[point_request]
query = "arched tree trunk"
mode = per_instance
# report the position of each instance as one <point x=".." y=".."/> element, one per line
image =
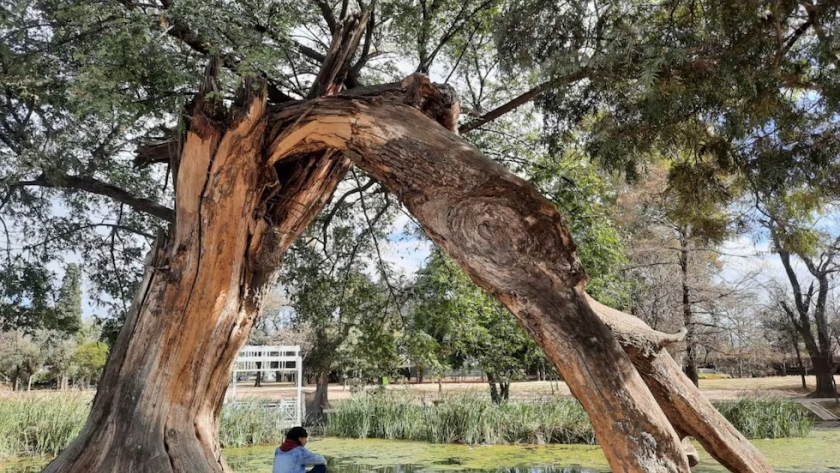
<point x="512" y="242"/>
<point x="247" y="185"/>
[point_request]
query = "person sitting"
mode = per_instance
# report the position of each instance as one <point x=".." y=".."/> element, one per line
<point x="293" y="457"/>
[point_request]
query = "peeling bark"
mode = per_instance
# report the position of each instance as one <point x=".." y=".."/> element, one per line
<point x="513" y="243"/>
<point x="248" y="185"/>
<point x="157" y="406"/>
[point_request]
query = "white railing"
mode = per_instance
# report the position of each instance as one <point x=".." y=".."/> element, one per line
<point x="269" y="359"/>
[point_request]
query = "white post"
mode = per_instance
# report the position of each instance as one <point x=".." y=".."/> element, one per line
<point x="233" y="394"/>
<point x="299" y="376"/>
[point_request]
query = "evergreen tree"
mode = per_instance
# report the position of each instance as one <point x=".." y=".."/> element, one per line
<point x="68" y="308"/>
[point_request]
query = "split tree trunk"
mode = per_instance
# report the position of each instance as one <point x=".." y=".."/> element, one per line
<point x="157" y="404"/>
<point x="246" y="191"/>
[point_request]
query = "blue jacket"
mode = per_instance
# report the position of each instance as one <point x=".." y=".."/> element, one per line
<point x="295" y="460"/>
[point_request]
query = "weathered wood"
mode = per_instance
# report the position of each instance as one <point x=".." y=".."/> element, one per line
<point x="157" y="406"/>
<point x="684" y="404"/>
<point x="513" y="243"/>
<point x="246" y="189"/>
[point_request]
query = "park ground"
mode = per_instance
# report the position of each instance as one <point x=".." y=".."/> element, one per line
<point x="715" y="389"/>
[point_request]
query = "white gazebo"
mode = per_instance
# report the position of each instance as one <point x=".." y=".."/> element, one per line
<point x="273" y="359"/>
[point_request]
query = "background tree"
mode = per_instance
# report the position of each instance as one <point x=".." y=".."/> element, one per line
<point x="674" y="233"/>
<point x="464" y="324"/>
<point x="25" y="297"/>
<point x="795" y="234"/>
<point x="351" y="317"/>
<point x="68" y="307"/>
<point x="88" y="362"/>
<point x="21" y="358"/>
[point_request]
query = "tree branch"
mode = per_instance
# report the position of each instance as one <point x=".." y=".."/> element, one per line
<point x="337" y="63"/>
<point x="184" y="33"/>
<point x="338" y="203"/>
<point x="328" y="15"/>
<point x="523" y="99"/>
<point x="98" y="187"/>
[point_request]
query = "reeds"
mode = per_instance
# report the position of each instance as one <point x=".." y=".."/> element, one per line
<point x="470" y="418"/>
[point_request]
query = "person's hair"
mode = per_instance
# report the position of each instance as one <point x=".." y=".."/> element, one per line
<point x="295" y="433"/>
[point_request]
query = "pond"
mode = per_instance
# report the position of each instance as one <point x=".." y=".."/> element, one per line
<point x="816" y="454"/>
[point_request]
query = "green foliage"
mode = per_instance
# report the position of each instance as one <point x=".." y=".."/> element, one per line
<point x="468" y="418"/>
<point x="21" y="356"/>
<point x="457" y="322"/>
<point x="768" y="418"/>
<point x="68" y="308"/>
<point x="25" y="291"/>
<point x="351" y="316"/>
<point x="89" y="360"/>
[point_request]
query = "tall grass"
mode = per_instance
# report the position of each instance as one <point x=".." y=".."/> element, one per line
<point x="467" y="418"/>
<point x="470" y="418"/>
<point x="767" y="417"/>
<point x="40" y="425"/>
<point x="250" y="423"/>
<point x="46" y="424"/>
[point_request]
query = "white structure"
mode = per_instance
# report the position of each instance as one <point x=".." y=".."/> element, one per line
<point x="273" y="359"/>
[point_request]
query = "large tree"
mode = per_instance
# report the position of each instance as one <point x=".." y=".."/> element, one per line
<point x="88" y="81"/>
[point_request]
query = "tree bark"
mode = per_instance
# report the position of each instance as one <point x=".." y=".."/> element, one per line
<point x="157" y="406"/>
<point x="249" y="183"/>
<point x="315" y="408"/>
<point x="690" y="364"/>
<point x="494" y="392"/>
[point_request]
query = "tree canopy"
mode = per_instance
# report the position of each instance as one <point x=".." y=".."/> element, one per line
<point x="92" y="94"/>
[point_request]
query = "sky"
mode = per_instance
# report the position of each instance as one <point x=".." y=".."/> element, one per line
<point x="746" y="255"/>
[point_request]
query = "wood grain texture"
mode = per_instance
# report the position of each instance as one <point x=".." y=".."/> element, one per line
<point x="247" y="187"/>
<point x="513" y="243"/>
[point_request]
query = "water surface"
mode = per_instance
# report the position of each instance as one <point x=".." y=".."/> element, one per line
<point x="818" y="453"/>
